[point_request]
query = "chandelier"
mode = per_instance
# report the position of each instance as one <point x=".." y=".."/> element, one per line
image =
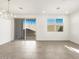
<point x="6" y="13"/>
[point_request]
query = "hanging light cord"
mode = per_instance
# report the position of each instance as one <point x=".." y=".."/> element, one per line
<point x="8" y="5"/>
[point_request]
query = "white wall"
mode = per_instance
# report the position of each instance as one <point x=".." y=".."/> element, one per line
<point x="5" y="30"/>
<point x="42" y="33"/>
<point x="74" y="27"/>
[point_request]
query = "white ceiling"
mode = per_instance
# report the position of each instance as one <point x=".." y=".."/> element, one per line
<point x="40" y="6"/>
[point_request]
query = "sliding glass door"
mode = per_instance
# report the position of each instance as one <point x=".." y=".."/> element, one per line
<point x="25" y="29"/>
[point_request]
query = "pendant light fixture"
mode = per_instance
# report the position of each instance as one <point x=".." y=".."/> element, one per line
<point x="8" y="15"/>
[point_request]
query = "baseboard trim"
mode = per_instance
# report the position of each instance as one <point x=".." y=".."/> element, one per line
<point x="6" y="42"/>
<point x="73" y="42"/>
<point x="54" y="40"/>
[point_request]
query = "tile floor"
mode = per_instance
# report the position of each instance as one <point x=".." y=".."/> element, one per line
<point x="39" y="50"/>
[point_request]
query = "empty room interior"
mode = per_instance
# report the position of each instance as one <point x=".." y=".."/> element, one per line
<point x="39" y="29"/>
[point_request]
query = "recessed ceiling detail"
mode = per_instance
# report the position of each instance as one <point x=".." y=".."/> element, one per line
<point x="37" y="6"/>
<point x="20" y="8"/>
<point x="58" y="8"/>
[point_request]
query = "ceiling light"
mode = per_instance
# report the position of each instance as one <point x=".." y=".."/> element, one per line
<point x="43" y="11"/>
<point x="58" y="8"/>
<point x="20" y="8"/>
<point x="0" y="13"/>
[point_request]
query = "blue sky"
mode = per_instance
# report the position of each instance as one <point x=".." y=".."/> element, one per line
<point x="51" y="21"/>
<point x="59" y="21"/>
<point x="30" y="21"/>
<point x="55" y="21"/>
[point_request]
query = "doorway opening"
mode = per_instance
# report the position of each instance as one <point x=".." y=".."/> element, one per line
<point x="25" y="29"/>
